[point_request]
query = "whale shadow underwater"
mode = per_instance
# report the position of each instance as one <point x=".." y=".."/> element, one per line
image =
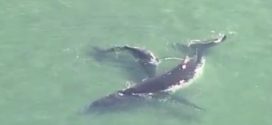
<point x="156" y="88"/>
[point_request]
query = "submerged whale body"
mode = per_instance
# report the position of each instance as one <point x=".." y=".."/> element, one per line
<point x="179" y="77"/>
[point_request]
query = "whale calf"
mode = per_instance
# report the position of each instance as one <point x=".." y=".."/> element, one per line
<point x="144" y="57"/>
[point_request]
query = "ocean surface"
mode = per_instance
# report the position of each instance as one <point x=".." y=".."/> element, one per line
<point x="47" y="75"/>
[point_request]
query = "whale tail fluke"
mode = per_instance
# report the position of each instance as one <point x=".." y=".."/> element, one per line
<point x="203" y="45"/>
<point x="199" y="48"/>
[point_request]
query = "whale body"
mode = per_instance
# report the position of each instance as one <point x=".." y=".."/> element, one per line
<point x="175" y="79"/>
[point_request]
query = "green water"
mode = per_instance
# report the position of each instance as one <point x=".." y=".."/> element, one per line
<point x="47" y="76"/>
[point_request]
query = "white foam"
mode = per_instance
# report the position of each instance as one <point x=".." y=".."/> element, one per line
<point x="184" y="66"/>
<point x="120" y="94"/>
<point x="219" y="39"/>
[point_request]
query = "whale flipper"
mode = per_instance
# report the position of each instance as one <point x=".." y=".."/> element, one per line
<point x="185" y="101"/>
<point x="165" y="96"/>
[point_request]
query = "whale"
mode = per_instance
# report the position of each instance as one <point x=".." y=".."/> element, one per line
<point x="147" y="59"/>
<point x="178" y="77"/>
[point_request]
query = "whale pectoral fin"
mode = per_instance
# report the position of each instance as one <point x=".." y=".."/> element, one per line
<point x="164" y="96"/>
<point x="185" y="101"/>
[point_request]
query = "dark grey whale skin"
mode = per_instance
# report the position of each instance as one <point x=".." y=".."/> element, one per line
<point x="180" y="74"/>
<point x="147" y="60"/>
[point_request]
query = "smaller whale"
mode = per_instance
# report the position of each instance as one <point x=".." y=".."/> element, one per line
<point x="144" y="57"/>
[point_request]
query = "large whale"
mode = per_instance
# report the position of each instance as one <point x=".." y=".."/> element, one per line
<point x="179" y="77"/>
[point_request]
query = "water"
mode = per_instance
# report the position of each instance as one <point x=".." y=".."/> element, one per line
<point x="47" y="75"/>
